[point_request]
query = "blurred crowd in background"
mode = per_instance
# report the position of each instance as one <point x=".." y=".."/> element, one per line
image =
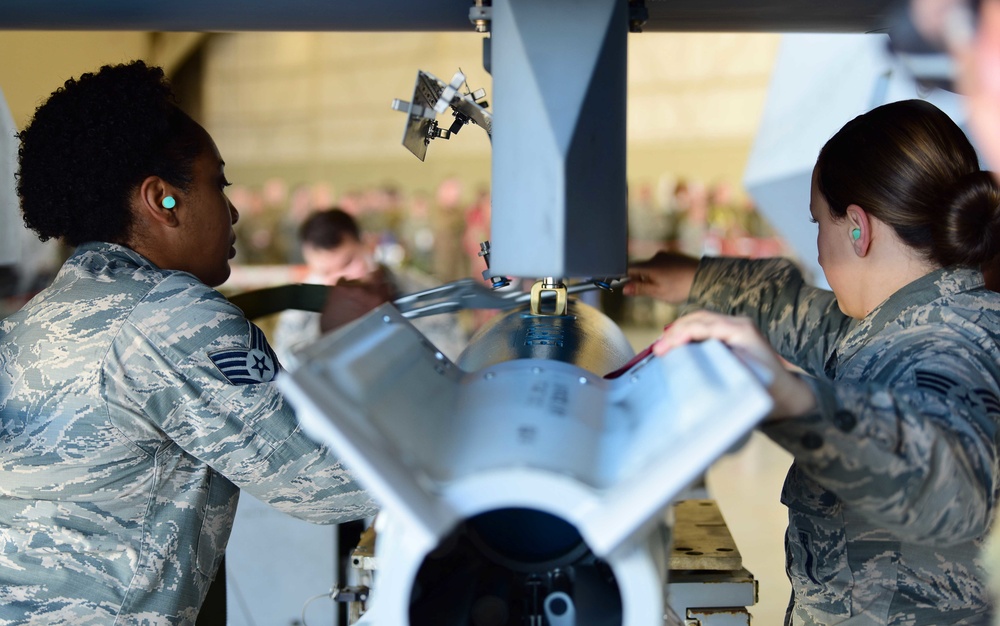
<point x="439" y="233"/>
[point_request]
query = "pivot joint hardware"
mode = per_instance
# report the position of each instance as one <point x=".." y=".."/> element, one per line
<point x="556" y="292"/>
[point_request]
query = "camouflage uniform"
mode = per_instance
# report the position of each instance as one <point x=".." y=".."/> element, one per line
<point x="895" y="477"/>
<point x="134" y="404"/>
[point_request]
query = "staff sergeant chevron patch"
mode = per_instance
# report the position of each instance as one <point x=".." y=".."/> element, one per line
<point x="257" y="364"/>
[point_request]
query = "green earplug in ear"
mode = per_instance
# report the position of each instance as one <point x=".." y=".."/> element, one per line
<point x="856" y="234"/>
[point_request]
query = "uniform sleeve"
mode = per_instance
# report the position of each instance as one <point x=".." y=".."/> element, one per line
<point x="294" y="330"/>
<point x="910" y="442"/>
<point x="914" y="451"/>
<point x="801" y="322"/>
<point x="204" y="375"/>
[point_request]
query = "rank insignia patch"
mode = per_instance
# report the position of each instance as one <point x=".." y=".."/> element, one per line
<point x="258" y="364"/>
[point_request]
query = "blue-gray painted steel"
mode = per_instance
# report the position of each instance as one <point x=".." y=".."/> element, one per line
<point x="559" y="199"/>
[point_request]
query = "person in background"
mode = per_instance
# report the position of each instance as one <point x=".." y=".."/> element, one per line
<point x="970" y="33"/>
<point x="135" y="400"/>
<point x="894" y="423"/>
<point x="448" y="224"/>
<point x="334" y="252"/>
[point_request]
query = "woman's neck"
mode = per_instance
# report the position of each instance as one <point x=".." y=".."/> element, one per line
<point x="893" y="268"/>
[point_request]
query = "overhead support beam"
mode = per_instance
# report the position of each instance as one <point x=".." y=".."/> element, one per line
<point x="559" y="198"/>
<point x="855" y="16"/>
<point x="237" y="15"/>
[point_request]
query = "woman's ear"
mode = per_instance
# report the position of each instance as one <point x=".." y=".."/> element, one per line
<point x="859" y="229"/>
<point x="158" y="201"/>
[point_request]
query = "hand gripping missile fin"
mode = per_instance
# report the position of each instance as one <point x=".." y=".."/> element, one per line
<point x="669" y="419"/>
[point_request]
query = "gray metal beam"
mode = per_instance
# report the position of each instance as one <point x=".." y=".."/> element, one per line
<point x="421" y="15"/>
<point x="559" y="81"/>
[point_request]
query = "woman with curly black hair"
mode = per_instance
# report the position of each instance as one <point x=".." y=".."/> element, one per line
<point x="135" y="400"/>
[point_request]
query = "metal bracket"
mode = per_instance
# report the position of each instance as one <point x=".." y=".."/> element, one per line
<point x="431" y="97"/>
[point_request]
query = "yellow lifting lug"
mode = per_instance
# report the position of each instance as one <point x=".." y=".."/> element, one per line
<point x="548" y="286"/>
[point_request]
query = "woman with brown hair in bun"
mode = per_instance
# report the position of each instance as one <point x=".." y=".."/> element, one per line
<point x="893" y="424"/>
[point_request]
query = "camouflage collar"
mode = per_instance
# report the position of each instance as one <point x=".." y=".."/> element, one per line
<point x="85" y="252"/>
<point x="897" y="308"/>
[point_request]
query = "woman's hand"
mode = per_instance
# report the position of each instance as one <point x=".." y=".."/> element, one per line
<point x="667" y="276"/>
<point x="791" y="395"/>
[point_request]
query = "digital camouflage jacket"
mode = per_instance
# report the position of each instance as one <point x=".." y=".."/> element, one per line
<point x="894" y="479"/>
<point x="135" y="403"/>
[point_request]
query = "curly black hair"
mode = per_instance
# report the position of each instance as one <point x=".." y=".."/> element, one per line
<point x="93" y="142"/>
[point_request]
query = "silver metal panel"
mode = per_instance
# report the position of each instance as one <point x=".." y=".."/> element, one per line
<point x="380" y="394"/>
<point x="700" y="591"/>
<point x="409" y="424"/>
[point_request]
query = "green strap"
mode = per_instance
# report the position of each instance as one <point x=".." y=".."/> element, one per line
<point x="263" y="302"/>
